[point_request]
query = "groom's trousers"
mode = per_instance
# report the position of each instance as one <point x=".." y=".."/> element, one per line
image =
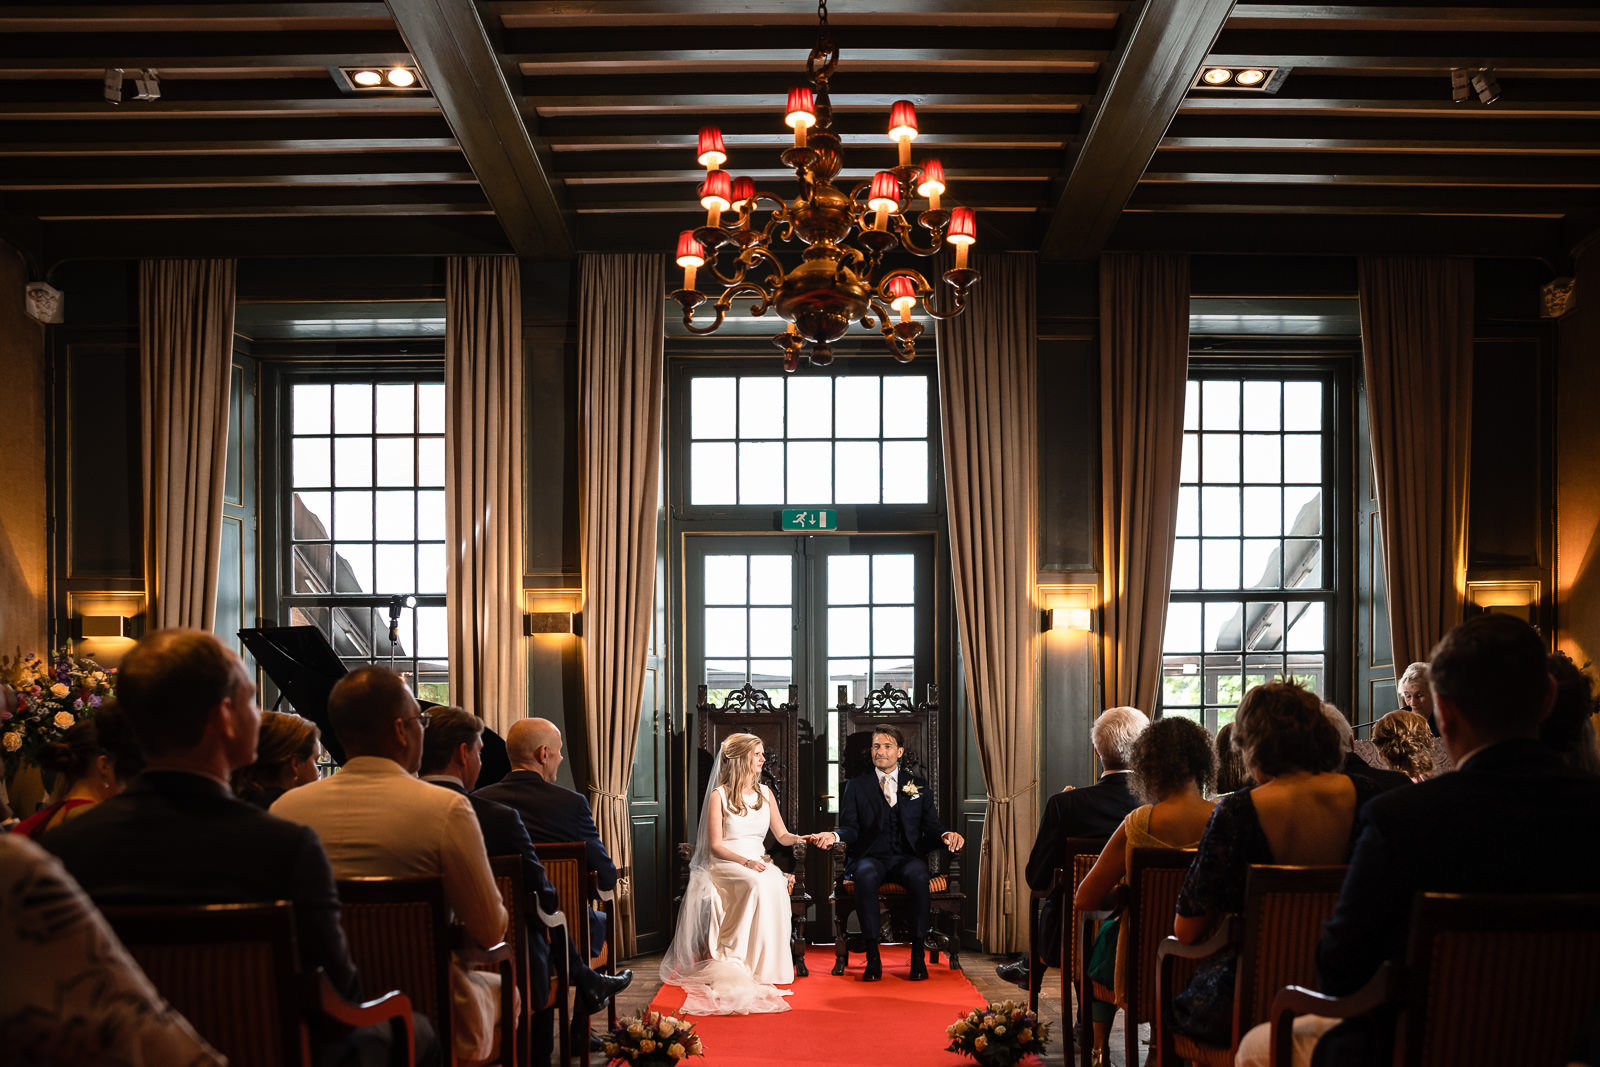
<point x="909" y="872"/>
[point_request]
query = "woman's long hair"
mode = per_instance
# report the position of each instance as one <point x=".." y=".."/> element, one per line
<point x="283" y="738"/>
<point x="739" y="775"/>
<point x="1406" y="742"/>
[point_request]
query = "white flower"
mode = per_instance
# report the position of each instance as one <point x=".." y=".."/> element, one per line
<point x="64" y="720"/>
<point x="59" y="690"/>
<point x="97" y="676"/>
<point x="677" y="1051"/>
<point x="911" y="789"/>
<point x="12" y="740"/>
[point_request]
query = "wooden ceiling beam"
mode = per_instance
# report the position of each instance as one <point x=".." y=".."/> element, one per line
<point x="1466" y="181"/>
<point x="1336" y="234"/>
<point x="732" y="104"/>
<point x="529" y="14"/>
<point x="747" y="60"/>
<point x="1502" y="109"/>
<point x="1267" y="200"/>
<point x="1161" y="44"/>
<point x="239" y="181"/>
<point x="1378" y="146"/>
<point x="1569" y="66"/>
<point x="775" y="143"/>
<point x="1508" y="18"/>
<point x="304" y="146"/>
<point x="465" y="71"/>
<point x="169" y="107"/>
<point x="212" y="66"/>
<point x="189" y="18"/>
<point x="133" y="203"/>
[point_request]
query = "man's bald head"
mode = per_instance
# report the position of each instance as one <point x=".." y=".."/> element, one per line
<point x="534" y="745"/>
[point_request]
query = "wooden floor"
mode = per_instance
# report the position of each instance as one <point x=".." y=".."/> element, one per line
<point x="980" y="972"/>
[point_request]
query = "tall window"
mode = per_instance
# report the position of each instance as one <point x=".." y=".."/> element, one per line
<point x="1254" y="564"/>
<point x="363" y="519"/>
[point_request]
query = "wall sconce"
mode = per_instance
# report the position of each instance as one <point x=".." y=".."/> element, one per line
<point x="1068" y="619"/>
<point x="552" y="622"/>
<point x="102" y="626"/>
<point x="1519" y="598"/>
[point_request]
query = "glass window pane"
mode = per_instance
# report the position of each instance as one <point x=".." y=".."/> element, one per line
<point x="352" y="407"/>
<point x="771" y="632"/>
<point x="852" y="674"/>
<point x="894" y="580"/>
<point x="1189" y="462"/>
<point x="723" y="675"/>
<point x="430" y="407"/>
<point x="771" y="580"/>
<point x="847" y="631"/>
<point x="1188" y="512"/>
<point x="430" y="461"/>
<point x="397" y="569"/>
<point x="894" y="631"/>
<point x="312" y="466"/>
<point x="397" y="461"/>
<point x="898" y="671"/>
<point x="1302" y="564"/>
<point x="397" y="407"/>
<point x="352" y="461"/>
<point x="352" y="515"/>
<point x="1302" y="405"/>
<point x="1261" y="562"/>
<point x="1259" y="670"/>
<point x="431" y="565"/>
<point x="712" y="403"/>
<point x="1262" y="462"/>
<point x="1309" y="669"/>
<point x="725" y="632"/>
<point x="905" y="472"/>
<point x="313" y="516"/>
<point x="1263" y="511"/>
<point x="311" y="407"/>
<point x="352" y="565"/>
<point x="856" y="404"/>
<point x="761" y="472"/>
<point x="1302" y="510"/>
<point x="1191" y="405"/>
<point x="773" y="675"/>
<point x="1183" y="628"/>
<point x="1219" y="511"/>
<point x="1265" y="630"/>
<point x="1307" y="631"/>
<point x="905" y="405"/>
<point x="396" y="515"/>
<point x="810" y="407"/>
<point x="855" y="472"/>
<point x="1261" y="401"/>
<point x="848" y="579"/>
<point x="433" y="633"/>
<point x="761" y="408"/>
<point x="313" y="568"/>
<point x="1178" y="687"/>
<point x="1219" y="457"/>
<point x="810" y="472"/>
<point x="1224" y="626"/>
<point x="711" y="473"/>
<point x="1219" y="563"/>
<point x="430" y="516"/>
<point x="1220" y="409"/>
<point x="1302" y="457"/>
<point x="1186" y="563"/>
<point x="725" y="580"/>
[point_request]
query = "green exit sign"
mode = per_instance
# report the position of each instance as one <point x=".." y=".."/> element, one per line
<point x="810" y="519"/>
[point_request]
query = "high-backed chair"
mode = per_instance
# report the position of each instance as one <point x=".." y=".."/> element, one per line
<point x="233" y="970"/>
<point x="750" y="710"/>
<point x="566" y="865"/>
<point x="1276" y="942"/>
<point x="1063" y="885"/>
<point x="919" y="725"/>
<point x="1146" y="903"/>
<point x="520" y="929"/>
<point x="1487" y="980"/>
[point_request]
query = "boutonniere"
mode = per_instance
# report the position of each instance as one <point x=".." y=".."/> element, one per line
<point x="911" y="789"/>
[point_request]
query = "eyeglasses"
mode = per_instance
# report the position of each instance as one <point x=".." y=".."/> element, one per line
<point x="423" y="718"/>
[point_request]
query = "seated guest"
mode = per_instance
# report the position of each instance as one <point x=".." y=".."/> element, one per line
<point x="1173" y="764"/>
<point x="1093" y="811"/>
<point x="1407" y="746"/>
<point x="375" y="819"/>
<point x="178" y="835"/>
<point x="1513" y="819"/>
<point x="1381" y="778"/>
<point x="1415" y="695"/>
<point x="69" y="992"/>
<point x="286" y="757"/>
<point x="1230" y="765"/>
<point x="93" y="761"/>
<point x="1570" y="727"/>
<point x="1302" y="812"/>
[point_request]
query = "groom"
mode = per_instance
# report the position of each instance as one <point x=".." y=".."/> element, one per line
<point x="888" y="821"/>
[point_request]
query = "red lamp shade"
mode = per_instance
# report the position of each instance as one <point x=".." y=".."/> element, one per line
<point x="802" y="108"/>
<point x="716" y="191"/>
<point x="744" y="190"/>
<point x="932" y="183"/>
<point x="691" y="253"/>
<point x="885" y="194"/>
<point x="902" y="121"/>
<point x="712" y="152"/>
<point x="904" y="292"/>
<point x="963" y="227"/>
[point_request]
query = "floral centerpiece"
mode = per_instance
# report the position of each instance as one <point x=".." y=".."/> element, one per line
<point x="652" y="1040"/>
<point x="998" y="1035"/>
<point x="50" y="699"/>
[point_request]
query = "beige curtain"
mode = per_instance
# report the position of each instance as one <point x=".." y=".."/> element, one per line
<point x="483" y="487"/>
<point x="620" y="336"/>
<point x="988" y="408"/>
<point x="1144" y="361"/>
<point x="185" y="366"/>
<point x="1416" y="342"/>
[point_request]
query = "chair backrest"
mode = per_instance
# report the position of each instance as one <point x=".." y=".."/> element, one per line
<point x="751" y="711"/>
<point x="1081" y="853"/>
<point x="1498" y="979"/>
<point x="1154" y="877"/>
<point x="566" y="865"/>
<point x="887" y="706"/>
<point x="399" y="934"/>
<point x="1284" y="909"/>
<point x="232" y="970"/>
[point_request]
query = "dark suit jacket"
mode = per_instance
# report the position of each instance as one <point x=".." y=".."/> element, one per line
<point x="864" y="816"/>
<point x="178" y="838"/>
<point x="1380" y="778"/>
<point x="1513" y="820"/>
<point x="1093" y="811"/>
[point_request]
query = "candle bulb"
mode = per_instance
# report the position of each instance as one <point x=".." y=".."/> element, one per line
<point x="691" y="257"/>
<point x="903" y="128"/>
<point x="883" y="198"/>
<point x="905" y="296"/>
<point x="802" y="114"/>
<point x="932" y="184"/>
<point x="963" y="232"/>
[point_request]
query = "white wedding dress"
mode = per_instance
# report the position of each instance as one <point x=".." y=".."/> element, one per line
<point x="731" y="948"/>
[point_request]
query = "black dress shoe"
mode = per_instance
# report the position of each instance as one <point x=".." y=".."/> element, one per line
<point x="593" y="994"/>
<point x="874" y="971"/>
<point x="919" y="966"/>
<point x="1016" y="973"/>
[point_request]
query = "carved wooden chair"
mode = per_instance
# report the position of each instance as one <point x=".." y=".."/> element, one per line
<point x="520" y="928"/>
<point x="919" y="725"/>
<point x="1079" y="857"/>
<point x="567" y="866"/>
<point x="233" y="970"/>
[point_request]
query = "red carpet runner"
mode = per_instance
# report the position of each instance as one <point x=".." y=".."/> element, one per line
<point x="842" y="1022"/>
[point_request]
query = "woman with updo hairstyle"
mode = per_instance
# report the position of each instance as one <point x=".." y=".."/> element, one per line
<point x="1569" y="728"/>
<point x="1301" y="811"/>
<point x="1406" y="743"/>
<point x="93" y="761"/>
<point x="286" y="758"/>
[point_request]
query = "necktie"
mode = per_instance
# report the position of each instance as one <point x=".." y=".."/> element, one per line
<point x="888" y="789"/>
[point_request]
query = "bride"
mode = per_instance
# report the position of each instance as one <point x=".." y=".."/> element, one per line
<point x="731" y="948"/>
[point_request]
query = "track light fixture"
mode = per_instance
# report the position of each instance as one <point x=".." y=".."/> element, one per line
<point x="1486" y="86"/>
<point x="1254" y="79"/>
<point x="1460" y="89"/>
<point x="146" y="85"/>
<point x="401" y="77"/>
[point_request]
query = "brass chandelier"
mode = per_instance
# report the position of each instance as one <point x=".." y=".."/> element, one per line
<point x="840" y="278"/>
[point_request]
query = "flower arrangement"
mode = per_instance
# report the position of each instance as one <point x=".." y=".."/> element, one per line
<point x="998" y="1035"/>
<point x="652" y="1040"/>
<point x="51" y="698"/>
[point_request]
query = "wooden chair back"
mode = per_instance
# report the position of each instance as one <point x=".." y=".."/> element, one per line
<point x="567" y="868"/>
<point x="751" y="711"/>
<point x="1154" y="877"/>
<point x="232" y="970"/>
<point x="1284" y="909"/>
<point x="520" y="930"/>
<point x="399" y="935"/>
<point x="918" y="723"/>
<point x="1081" y="855"/>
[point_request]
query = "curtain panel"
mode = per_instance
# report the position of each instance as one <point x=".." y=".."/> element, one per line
<point x="483" y="368"/>
<point x="1416" y="345"/>
<point x="1144" y="363"/>
<point x="621" y="330"/>
<point x="185" y="367"/>
<point x="988" y="407"/>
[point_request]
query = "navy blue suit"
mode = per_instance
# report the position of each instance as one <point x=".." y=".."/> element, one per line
<point x="884" y="844"/>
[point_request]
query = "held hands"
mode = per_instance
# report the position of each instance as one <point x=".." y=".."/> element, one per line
<point x="822" y="840"/>
<point x="953" y="841"/>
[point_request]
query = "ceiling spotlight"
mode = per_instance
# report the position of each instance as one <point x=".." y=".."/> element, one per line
<point x="1486" y="86"/>
<point x="113" y="85"/>
<point x="1254" y="79"/>
<point x="401" y="78"/>
<point x="1250" y="77"/>
<point x="147" y="86"/>
<point x="1217" y="76"/>
<point x="367" y="78"/>
<point x="1459" y="89"/>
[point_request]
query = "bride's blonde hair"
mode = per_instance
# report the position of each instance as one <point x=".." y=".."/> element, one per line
<point x="739" y="775"/>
